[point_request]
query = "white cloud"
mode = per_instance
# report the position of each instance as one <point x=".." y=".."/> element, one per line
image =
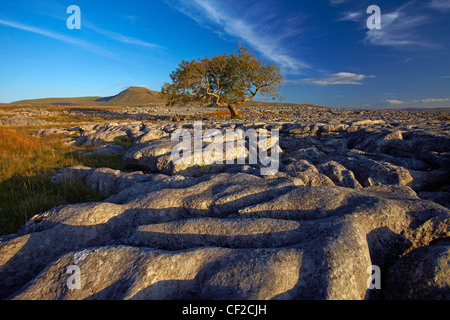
<point x="396" y="102"/>
<point x="121" y="38"/>
<point x="398" y="28"/>
<point x="53" y="9"/>
<point x="127" y="86"/>
<point x="141" y="86"/>
<point x="341" y="78"/>
<point x="336" y="2"/>
<point x="57" y="36"/>
<point x="435" y="100"/>
<point x="443" y="5"/>
<point x="429" y="102"/>
<point x="352" y="16"/>
<point x="257" y="32"/>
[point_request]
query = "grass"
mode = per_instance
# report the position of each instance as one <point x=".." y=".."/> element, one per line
<point x="65" y="115"/>
<point x="130" y="96"/>
<point x="444" y="117"/>
<point x="114" y="162"/>
<point x="26" y="166"/>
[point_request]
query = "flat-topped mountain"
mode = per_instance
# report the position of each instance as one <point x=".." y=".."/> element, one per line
<point x="130" y="96"/>
<point x="133" y="96"/>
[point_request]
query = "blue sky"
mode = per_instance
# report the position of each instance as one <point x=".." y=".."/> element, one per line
<point x="326" y="51"/>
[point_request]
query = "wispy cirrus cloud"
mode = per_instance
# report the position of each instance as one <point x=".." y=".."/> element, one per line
<point x="442" y="5"/>
<point x="121" y="38"/>
<point x="57" y="36"/>
<point x="336" y="2"/>
<point x="258" y="30"/>
<point x="53" y="9"/>
<point x="352" y="16"/>
<point x="398" y="28"/>
<point x="340" y="78"/>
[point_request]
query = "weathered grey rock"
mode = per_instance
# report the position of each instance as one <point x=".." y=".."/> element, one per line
<point x="441" y="197"/>
<point x="356" y="125"/>
<point x="308" y="173"/>
<point x="312" y="242"/>
<point x="101" y="138"/>
<point x="46" y="132"/>
<point x="142" y="273"/>
<point x="156" y="156"/>
<point x="422" y="274"/>
<point x="339" y="174"/>
<point x="152" y="134"/>
<point x="76" y="172"/>
<point x="109" y="149"/>
<point x="227" y="233"/>
<point x="372" y="173"/>
<point x="344" y="200"/>
<point x="108" y="182"/>
<point x="313" y="155"/>
<point x="103" y="134"/>
<point x="430" y="147"/>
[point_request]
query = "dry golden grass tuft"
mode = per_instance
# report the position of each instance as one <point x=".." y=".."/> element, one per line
<point x="26" y="166"/>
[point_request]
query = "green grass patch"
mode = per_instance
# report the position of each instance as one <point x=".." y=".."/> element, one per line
<point x="114" y="162"/>
<point x="125" y="142"/>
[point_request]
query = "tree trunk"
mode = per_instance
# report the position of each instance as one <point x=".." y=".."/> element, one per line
<point x="232" y="109"/>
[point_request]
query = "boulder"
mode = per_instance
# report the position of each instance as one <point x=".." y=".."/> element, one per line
<point x="312" y="154"/>
<point x="151" y="134"/>
<point x="307" y="172"/>
<point x="339" y="174"/>
<point x="221" y="236"/>
<point x="441" y="197"/>
<point x="343" y="202"/>
<point x="422" y="274"/>
<point x="106" y="150"/>
<point x="372" y="173"/>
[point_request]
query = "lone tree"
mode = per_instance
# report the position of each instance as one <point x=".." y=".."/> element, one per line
<point x="225" y="80"/>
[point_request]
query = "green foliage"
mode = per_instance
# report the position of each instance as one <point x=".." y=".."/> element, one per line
<point x="225" y="80"/>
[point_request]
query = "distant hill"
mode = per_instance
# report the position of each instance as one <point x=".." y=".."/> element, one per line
<point x="133" y="96"/>
<point x="443" y="109"/>
<point x="130" y="96"/>
<point x="84" y="101"/>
